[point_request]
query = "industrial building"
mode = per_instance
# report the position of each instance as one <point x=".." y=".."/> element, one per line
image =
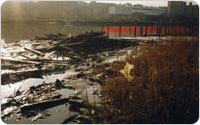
<point x="180" y="8"/>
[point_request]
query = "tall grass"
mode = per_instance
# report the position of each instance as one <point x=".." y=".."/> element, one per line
<point x="164" y="89"/>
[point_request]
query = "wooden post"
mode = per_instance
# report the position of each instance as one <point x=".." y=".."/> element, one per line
<point x="164" y="30"/>
<point x="135" y="31"/>
<point x="171" y="30"/>
<point x="141" y="30"/>
<point x="108" y="31"/>
<point x="145" y="30"/>
<point x="120" y="31"/>
<point x="129" y="30"/>
<point x="192" y="29"/>
<point x="174" y="30"/>
<point x="158" y="31"/>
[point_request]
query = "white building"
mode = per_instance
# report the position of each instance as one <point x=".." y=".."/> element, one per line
<point x="122" y="10"/>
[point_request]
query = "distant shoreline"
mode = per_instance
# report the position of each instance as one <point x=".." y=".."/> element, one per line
<point x="99" y="23"/>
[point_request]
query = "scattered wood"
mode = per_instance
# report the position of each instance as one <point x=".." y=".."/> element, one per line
<point x="34" y="51"/>
<point x="69" y="119"/>
<point x="44" y="105"/>
<point x="87" y="43"/>
<point x="12" y="60"/>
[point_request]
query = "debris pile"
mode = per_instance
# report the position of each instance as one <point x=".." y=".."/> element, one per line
<point x="36" y="98"/>
<point x="84" y="53"/>
<point x="54" y="50"/>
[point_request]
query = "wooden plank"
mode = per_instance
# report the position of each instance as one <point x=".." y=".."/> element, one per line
<point x="44" y="105"/>
<point x="34" y="51"/>
<point x="13" y="60"/>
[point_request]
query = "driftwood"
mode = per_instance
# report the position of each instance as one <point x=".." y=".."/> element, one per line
<point x="69" y="119"/>
<point x="8" y="78"/>
<point x="87" y="43"/>
<point x="43" y="105"/>
<point x="12" y="60"/>
<point x="34" y="51"/>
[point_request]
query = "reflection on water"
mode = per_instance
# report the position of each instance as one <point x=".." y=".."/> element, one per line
<point x="16" y="31"/>
<point x="7" y="90"/>
<point x="23" y="32"/>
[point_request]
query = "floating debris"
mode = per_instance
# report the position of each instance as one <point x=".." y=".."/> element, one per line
<point x="83" y="53"/>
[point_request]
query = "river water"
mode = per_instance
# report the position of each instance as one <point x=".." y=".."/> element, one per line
<point x="16" y="31"/>
<point x="13" y="32"/>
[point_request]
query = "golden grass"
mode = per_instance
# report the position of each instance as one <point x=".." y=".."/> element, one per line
<point x="164" y="89"/>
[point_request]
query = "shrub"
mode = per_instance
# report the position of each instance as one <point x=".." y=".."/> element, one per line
<point x="164" y="89"/>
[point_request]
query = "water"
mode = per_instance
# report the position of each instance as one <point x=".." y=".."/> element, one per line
<point x="17" y="31"/>
<point x="7" y="90"/>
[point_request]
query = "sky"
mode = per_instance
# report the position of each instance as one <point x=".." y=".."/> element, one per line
<point x="155" y="3"/>
<point x="144" y="2"/>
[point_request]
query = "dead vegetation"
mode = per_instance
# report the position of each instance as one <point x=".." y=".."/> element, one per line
<point x="164" y="88"/>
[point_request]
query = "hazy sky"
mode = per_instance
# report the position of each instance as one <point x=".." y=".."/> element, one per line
<point x="144" y="2"/>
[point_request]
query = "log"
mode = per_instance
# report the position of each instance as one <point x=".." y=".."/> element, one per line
<point x="34" y="51"/>
<point x="44" y="105"/>
<point x="13" y="60"/>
